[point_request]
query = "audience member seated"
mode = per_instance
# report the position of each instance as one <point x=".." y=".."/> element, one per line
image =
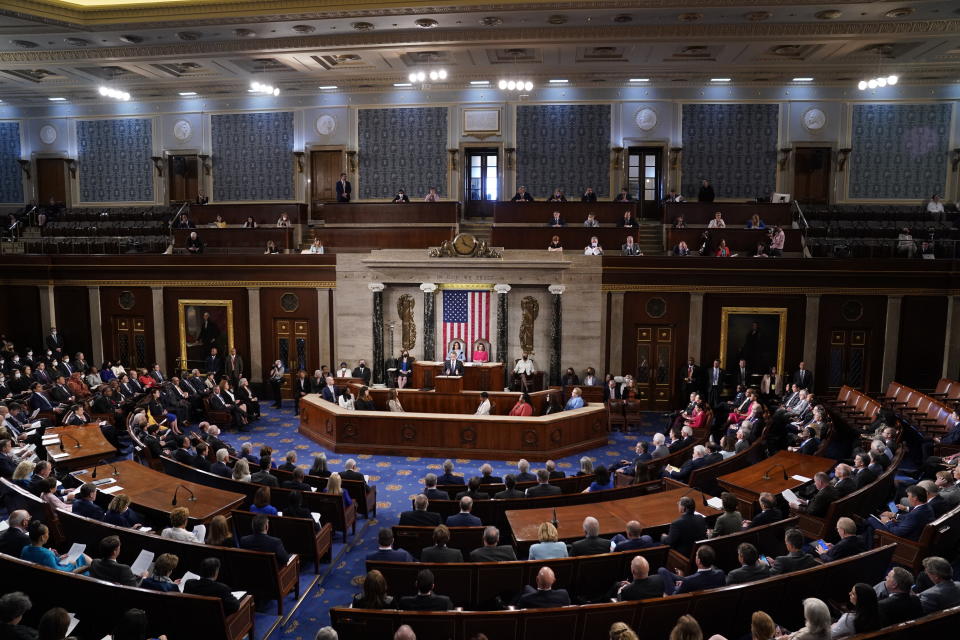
<point x="769" y="512"/>
<point x="207" y="585"/>
<point x="385" y="550"/>
<point x="544" y="596"/>
<point x="107" y="568"/>
<point x="419" y="516"/>
<point x="160" y="580"/>
<point x="219" y="533"/>
<point x="334" y="487"/>
<point x="543" y="486"/>
<point x="492" y="550"/>
<point x="907" y="524"/>
<point x="120" y="514"/>
<point x="707" y="576"/>
<point x="15" y="538"/>
<point x="635" y="538"/>
<point x="750" y="568"/>
<point x="178" y="526"/>
<point x="426" y="599"/>
<point x="686" y="529"/>
<point x="440" y="552"/>
<point x="849" y="544"/>
<point x="556" y="220"/>
<point x="261" y="502"/>
<point x="260" y="541"/>
<point x="84" y="505"/>
<point x="37" y="552"/>
<point x="594" y="248"/>
<point x="643" y="585"/>
<point x="548" y="547"/>
<point x="603" y="480"/>
<point x="592" y="543"/>
<point x="374" y="594"/>
<point x="796" y="559"/>
<point x="730" y="521"/>
<point x="511" y="490"/>
<point x="865" y="616"/>
<point x="945" y="592"/>
<point x="263" y="476"/>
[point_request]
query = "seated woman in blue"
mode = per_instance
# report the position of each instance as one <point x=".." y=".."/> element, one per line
<point x="602" y="480"/>
<point x="120" y="514"/>
<point x="35" y="552"/>
<point x="335" y="487"/>
<point x="261" y="502"/>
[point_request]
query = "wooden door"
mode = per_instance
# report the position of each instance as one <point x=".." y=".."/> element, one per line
<point x="183" y="178"/>
<point x="291" y="343"/>
<point x="811" y="175"/>
<point x="130" y="342"/>
<point x="655" y="362"/>
<point x="849" y="360"/>
<point x="325" y="169"/>
<point x="51" y="180"/>
<point x="645" y="180"/>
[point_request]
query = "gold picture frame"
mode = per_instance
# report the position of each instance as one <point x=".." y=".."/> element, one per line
<point x="194" y="346"/>
<point x="735" y="325"/>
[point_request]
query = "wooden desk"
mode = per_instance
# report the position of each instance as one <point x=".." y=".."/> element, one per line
<point x="573" y="238"/>
<point x="93" y="446"/>
<point x="740" y="240"/>
<point x="734" y="213"/>
<point x="264" y="214"/>
<point x="363" y="239"/>
<point x="387" y="213"/>
<point x="464" y="403"/>
<point x="653" y="511"/>
<point x="574" y="213"/>
<point x="152" y="491"/>
<point x="747" y="484"/>
<point x="253" y="240"/>
<point x="477" y="376"/>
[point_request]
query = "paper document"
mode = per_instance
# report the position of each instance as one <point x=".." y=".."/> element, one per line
<point x="790" y="497"/>
<point x="200" y="531"/>
<point x="59" y="456"/>
<point x="316" y="517"/>
<point x="188" y="576"/>
<point x="280" y="513"/>
<point x="238" y="594"/>
<point x="142" y="563"/>
<point x="715" y="502"/>
<point x="73" y="623"/>
<point x="4" y="525"/>
<point x="366" y="478"/>
<point x="75" y="551"/>
<point x="800" y="478"/>
<point x="113" y="489"/>
<point x="145" y="529"/>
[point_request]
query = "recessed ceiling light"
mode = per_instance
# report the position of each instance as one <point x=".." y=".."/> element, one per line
<point x="559" y="81"/>
<point x="639" y="79"/>
<point x="402" y="84"/>
<point x="188" y="93"/>
<point x="57" y="99"/>
<point x="479" y="83"/>
<point x="807" y="79"/>
<point x="328" y="86"/>
<point x="719" y="79"/>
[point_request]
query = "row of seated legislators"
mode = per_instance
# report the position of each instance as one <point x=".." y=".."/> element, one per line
<point x="195" y="245"/>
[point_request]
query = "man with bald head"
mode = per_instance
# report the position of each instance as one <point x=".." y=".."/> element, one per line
<point x="592" y="543"/>
<point x="644" y="585"/>
<point x="545" y="595"/>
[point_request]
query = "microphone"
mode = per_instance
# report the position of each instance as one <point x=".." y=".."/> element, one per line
<point x="100" y="462"/>
<point x="62" y="434"/>
<point x="192" y="497"/>
<point x="766" y="474"/>
<point x="703" y="498"/>
<point x="555" y="522"/>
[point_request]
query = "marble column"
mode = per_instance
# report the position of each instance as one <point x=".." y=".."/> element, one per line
<point x="811" y="330"/>
<point x="255" y="359"/>
<point x="891" y="341"/>
<point x="695" y="322"/>
<point x="323" y="325"/>
<point x="502" y="355"/>
<point x="429" y="321"/>
<point x="616" y="332"/>
<point x="379" y="370"/>
<point x="556" y="333"/>
<point x="951" y="345"/>
<point x="159" y="328"/>
<point x="96" y="328"/>
<point x="48" y="309"/>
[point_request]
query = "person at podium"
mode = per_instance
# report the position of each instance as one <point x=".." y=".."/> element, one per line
<point x="480" y="353"/>
<point x="452" y="366"/>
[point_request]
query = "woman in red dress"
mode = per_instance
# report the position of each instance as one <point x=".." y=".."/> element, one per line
<point x="524" y="406"/>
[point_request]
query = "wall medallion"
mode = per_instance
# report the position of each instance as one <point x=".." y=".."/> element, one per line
<point x="182" y="130"/>
<point x="326" y="125"/>
<point x="646" y="119"/>
<point x="126" y="300"/>
<point x="813" y="119"/>
<point x="289" y="302"/>
<point x="48" y="134"/>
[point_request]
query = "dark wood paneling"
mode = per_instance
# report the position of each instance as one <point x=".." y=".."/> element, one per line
<point x="238" y="237"/>
<point x="573" y="212"/>
<point x="742" y="241"/>
<point x="923" y="325"/>
<point x="270" y="309"/>
<point x="51" y="180"/>
<point x="734" y="213"/>
<point x="811" y="174"/>
<point x="20" y="317"/>
<point x="413" y="237"/>
<point x="110" y="308"/>
<point x="73" y="319"/>
<point x="183" y="178"/>
<point x="387" y="213"/>
<point x="677" y="316"/>
<point x="573" y="238"/>
<point x="325" y="168"/>
<point x="873" y="321"/>
<point x="241" y="317"/>
<point x="713" y="313"/>
<point x="264" y="214"/>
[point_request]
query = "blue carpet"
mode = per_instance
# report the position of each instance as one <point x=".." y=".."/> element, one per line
<point x="398" y="480"/>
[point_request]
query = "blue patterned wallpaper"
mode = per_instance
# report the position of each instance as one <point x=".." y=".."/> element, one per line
<point x="404" y="148"/>
<point x="114" y="159"/>
<point x="899" y="150"/>
<point x="734" y="146"/>
<point x="563" y="146"/>
<point x="252" y="156"/>
<point x="11" y="184"/>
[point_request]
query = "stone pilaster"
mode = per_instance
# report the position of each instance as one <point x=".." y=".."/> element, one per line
<point x="159" y="327"/>
<point x="951" y="346"/>
<point x="696" y="326"/>
<point x="255" y="357"/>
<point x="429" y="321"/>
<point x="556" y="333"/>
<point x="502" y="355"/>
<point x="379" y="370"/>
<point x="811" y="330"/>
<point x="96" y="326"/>
<point x="891" y="341"/>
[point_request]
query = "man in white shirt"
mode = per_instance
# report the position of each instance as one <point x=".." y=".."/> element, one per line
<point x="523" y="369"/>
<point x="717" y="222"/>
<point x="484" y="408"/>
<point x="935" y="206"/>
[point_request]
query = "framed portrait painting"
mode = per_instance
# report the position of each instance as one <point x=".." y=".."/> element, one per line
<point x="755" y="334"/>
<point x="204" y="324"/>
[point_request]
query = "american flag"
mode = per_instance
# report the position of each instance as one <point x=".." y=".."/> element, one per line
<point x="466" y="316"/>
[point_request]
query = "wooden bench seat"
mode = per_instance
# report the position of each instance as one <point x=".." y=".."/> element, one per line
<point x="705" y="478"/>
<point x="942" y="624"/>
<point x="298" y="534"/>
<point x="363" y="495"/>
<point x="416" y="539"/>
<point x="768" y="539"/>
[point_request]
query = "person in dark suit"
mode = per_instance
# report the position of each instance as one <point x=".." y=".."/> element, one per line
<point x="896" y="603"/>
<point x="945" y="592"/>
<point x="803" y="378"/>
<point x="643" y="585"/>
<point x="473" y="491"/>
<point x="905" y="525"/>
<point x="690" y="376"/>
<point x="511" y="490"/>
<point x="350" y="473"/>
<point x="263" y="476"/>
<point x="487" y="477"/>
<point x="750" y="569"/>
<point x="492" y="550"/>
<point x="796" y="559"/>
<point x="440" y="552"/>
<point x="551" y="468"/>
<point x="521" y="195"/>
<point x="385" y="550"/>
<point x="592" y="543"/>
<point x="39" y="400"/>
<point x="260" y="541"/>
<point x="697" y="461"/>
<point x="707" y="576"/>
<point x="825" y="496"/>
<point x="523" y="471"/>
<point x="452" y="366"/>
<point x="15" y="538"/>
<point x="220" y="467"/>
<point x="296" y="482"/>
<point x="705" y="194"/>
<point x="686" y="529"/>
<point x="207" y="585"/>
<point x="328" y="391"/>
<point x="464" y="518"/>
<point x="544" y="596"/>
<point x="343" y="189"/>
<point x="107" y="568"/>
<point x="623" y="196"/>
<point x="362" y="371"/>
<point x="543" y="487"/>
<point x="769" y="512"/>
<point x="556" y="220"/>
<point x="627" y="221"/>
<point x="430" y="488"/>
<point x="301" y="388"/>
<point x="848" y="545"/>
<point x="685" y="440"/>
<point x="448" y="476"/>
<point x="715" y="377"/>
<point x="635" y="538"/>
<point x="54" y="342"/>
<point x="419" y="516"/>
<point x="844" y="482"/>
<point x="426" y="599"/>
<point x="184" y="454"/>
<point x="83" y="504"/>
<point x="8" y="463"/>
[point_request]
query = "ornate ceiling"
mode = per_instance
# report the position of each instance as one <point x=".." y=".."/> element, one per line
<point x="157" y="48"/>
